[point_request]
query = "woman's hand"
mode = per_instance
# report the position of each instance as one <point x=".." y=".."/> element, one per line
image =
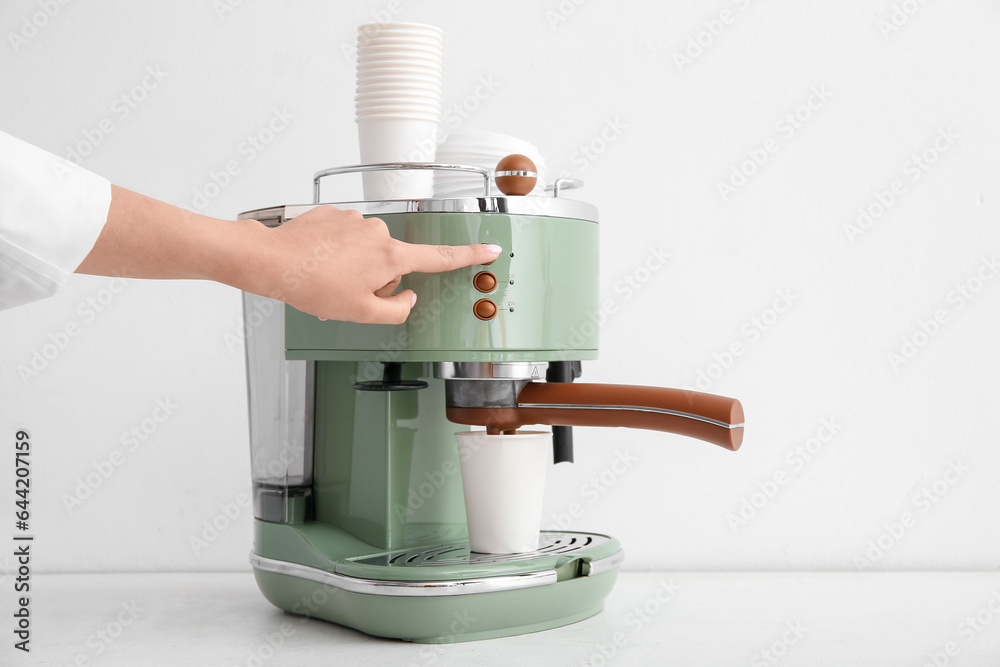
<point x="339" y="265"/>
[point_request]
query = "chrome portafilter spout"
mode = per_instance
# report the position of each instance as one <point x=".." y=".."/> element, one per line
<point x="487" y="386"/>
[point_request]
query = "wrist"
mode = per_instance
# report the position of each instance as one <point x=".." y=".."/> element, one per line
<point x="236" y="254"/>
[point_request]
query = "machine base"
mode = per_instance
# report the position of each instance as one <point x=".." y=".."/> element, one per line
<point x="437" y="593"/>
<point x="446" y="619"/>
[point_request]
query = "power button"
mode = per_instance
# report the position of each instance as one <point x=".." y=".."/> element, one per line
<point x="485" y="309"/>
<point x="485" y="281"/>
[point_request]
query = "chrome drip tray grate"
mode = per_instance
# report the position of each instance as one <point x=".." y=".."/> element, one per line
<point x="549" y="544"/>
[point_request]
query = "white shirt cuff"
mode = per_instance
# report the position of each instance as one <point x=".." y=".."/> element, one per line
<point x="51" y="213"/>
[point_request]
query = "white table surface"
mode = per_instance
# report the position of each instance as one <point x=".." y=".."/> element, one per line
<point x="712" y="619"/>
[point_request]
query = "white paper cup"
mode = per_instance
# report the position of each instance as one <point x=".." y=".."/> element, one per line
<point x="416" y="112"/>
<point x="369" y="49"/>
<point x="415" y="94"/>
<point x="366" y="74"/>
<point x="400" y="43"/>
<point x="410" y="115"/>
<point x="398" y="105"/>
<point x="416" y="56"/>
<point x="389" y="79"/>
<point x="400" y="90"/>
<point x="379" y="29"/>
<point x="504" y="481"/>
<point x="406" y="66"/>
<point x="377" y="104"/>
<point x="370" y="30"/>
<point x="421" y="83"/>
<point x="398" y="139"/>
<point x="413" y="75"/>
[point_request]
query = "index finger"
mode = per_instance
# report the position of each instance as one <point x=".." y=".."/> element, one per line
<point x="437" y="258"/>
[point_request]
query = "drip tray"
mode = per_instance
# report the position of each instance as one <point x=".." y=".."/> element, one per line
<point x="550" y="543"/>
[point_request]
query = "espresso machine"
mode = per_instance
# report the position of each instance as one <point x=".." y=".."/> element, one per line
<point x="357" y="486"/>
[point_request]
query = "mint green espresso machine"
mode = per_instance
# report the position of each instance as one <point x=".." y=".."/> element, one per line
<point x="358" y="500"/>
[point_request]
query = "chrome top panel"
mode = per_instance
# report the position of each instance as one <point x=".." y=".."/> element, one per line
<point x="551" y="207"/>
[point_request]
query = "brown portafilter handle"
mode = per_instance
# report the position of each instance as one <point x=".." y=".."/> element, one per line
<point x="714" y="419"/>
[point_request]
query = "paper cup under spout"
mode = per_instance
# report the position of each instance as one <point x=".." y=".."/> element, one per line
<point x="503" y="477"/>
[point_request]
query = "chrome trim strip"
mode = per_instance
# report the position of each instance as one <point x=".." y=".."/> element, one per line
<point x="404" y="588"/>
<point x="490" y="370"/>
<point x="545" y="207"/>
<point x="602" y="565"/>
<point x="533" y="174"/>
<point x="638" y="408"/>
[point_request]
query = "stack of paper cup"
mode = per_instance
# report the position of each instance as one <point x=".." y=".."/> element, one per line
<point x="503" y="477"/>
<point x="398" y="105"/>
<point x="482" y="149"/>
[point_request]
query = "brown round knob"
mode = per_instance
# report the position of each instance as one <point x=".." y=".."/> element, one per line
<point x="485" y="309"/>
<point x="485" y="281"/>
<point x="516" y="174"/>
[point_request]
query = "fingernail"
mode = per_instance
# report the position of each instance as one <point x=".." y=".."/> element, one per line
<point x="414" y="302"/>
<point x="493" y="248"/>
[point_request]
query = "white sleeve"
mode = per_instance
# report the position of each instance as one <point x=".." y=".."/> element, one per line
<point x="51" y="213"/>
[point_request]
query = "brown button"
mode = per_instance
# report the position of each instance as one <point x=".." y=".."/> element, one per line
<point x="485" y="281"/>
<point x="485" y="309"/>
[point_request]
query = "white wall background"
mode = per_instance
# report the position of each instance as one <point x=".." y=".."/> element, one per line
<point x="560" y="79"/>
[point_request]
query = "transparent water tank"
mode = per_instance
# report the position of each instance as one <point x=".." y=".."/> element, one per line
<point x="281" y="402"/>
